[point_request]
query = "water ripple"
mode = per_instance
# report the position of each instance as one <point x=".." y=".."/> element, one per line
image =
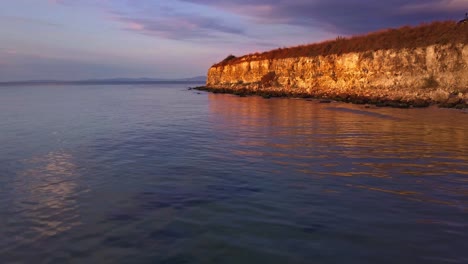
<point x="158" y="174"/>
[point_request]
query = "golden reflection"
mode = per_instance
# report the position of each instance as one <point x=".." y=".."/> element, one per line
<point x="47" y="193"/>
<point x="344" y="140"/>
<point x="384" y="190"/>
<point x="348" y="125"/>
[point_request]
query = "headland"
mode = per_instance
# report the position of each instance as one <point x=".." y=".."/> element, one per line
<point x="405" y="67"/>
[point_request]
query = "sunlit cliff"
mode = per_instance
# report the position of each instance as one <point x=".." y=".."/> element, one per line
<point x="428" y="63"/>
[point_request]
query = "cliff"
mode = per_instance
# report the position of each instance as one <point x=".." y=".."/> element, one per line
<point x="431" y="72"/>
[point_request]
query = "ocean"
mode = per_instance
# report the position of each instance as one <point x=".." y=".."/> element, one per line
<point x="162" y="174"/>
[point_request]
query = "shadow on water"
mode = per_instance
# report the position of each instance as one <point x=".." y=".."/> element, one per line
<point x="177" y="198"/>
<point x="362" y="112"/>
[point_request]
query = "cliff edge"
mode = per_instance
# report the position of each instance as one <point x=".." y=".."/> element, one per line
<point x="414" y="66"/>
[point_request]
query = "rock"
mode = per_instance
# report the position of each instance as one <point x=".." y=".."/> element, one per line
<point x="312" y="76"/>
<point x="420" y="103"/>
<point x="452" y="102"/>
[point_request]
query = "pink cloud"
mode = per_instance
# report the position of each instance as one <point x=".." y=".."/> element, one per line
<point x="134" y="26"/>
<point x="448" y="6"/>
<point x="339" y="16"/>
<point x="178" y="26"/>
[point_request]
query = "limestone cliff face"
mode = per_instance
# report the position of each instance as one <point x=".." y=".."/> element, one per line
<point x="426" y="72"/>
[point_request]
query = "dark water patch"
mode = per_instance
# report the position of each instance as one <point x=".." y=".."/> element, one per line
<point x="179" y="199"/>
<point x="362" y="112"/>
<point x="123" y="217"/>
<point x="119" y="242"/>
<point x="167" y="234"/>
<point x="179" y="259"/>
<point x="312" y="229"/>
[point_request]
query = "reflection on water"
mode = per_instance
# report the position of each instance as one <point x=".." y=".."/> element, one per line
<point x="413" y="147"/>
<point x="159" y="174"/>
<point x="45" y="197"/>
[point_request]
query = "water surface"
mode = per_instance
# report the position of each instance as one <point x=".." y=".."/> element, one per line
<point x="159" y="174"/>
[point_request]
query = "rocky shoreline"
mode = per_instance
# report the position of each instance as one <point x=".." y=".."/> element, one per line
<point x="432" y="74"/>
<point x="384" y="98"/>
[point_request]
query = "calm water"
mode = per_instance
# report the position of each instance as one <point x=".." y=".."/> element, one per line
<point x="159" y="174"/>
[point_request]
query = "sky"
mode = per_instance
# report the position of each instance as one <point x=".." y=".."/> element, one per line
<point x="95" y="39"/>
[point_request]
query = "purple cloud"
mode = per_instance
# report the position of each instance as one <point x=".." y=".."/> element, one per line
<point x="162" y="19"/>
<point x="179" y="27"/>
<point x="251" y="21"/>
<point x="343" y="16"/>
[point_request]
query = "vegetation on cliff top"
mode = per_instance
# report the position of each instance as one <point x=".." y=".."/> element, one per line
<point x="405" y="37"/>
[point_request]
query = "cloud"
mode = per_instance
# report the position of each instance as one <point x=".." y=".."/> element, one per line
<point x="342" y="16"/>
<point x="167" y="20"/>
<point x="180" y="27"/>
<point x="450" y="6"/>
<point x="216" y="19"/>
<point x="172" y="20"/>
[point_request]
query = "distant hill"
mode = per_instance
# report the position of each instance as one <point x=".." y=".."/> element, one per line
<point x="115" y="81"/>
<point x="195" y="79"/>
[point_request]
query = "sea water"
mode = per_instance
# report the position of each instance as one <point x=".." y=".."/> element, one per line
<point x="162" y="174"/>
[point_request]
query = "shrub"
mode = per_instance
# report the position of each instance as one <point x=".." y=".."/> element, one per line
<point x="229" y="58"/>
<point x="430" y="82"/>
<point x="405" y="37"/>
<point x="269" y="79"/>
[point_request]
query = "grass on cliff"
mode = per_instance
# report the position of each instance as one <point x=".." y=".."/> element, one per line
<point x="405" y="37"/>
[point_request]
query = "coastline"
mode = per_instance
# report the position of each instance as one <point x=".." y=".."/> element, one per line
<point x="405" y="67"/>
<point x="385" y="99"/>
